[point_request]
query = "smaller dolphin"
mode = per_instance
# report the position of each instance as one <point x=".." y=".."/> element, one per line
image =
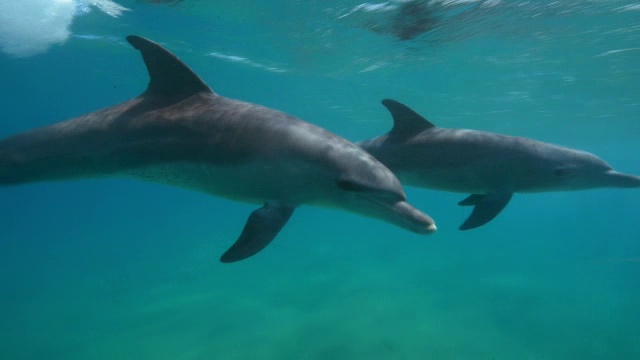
<point x="491" y="167"/>
<point x="179" y="132"/>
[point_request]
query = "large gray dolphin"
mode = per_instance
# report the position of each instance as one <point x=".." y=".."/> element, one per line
<point x="491" y="167"/>
<point x="179" y="132"/>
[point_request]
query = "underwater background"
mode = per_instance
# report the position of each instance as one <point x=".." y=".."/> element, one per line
<point x="122" y="269"/>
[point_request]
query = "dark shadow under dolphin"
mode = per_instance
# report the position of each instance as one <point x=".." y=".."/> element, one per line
<point x="179" y="132"/>
<point x="491" y="167"/>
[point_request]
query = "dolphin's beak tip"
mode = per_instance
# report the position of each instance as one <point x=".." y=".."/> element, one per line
<point x="431" y="228"/>
<point x="623" y="180"/>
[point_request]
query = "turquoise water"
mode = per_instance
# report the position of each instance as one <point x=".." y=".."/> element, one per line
<point x="120" y="269"/>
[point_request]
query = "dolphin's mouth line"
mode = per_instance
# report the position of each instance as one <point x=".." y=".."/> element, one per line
<point x="384" y="204"/>
<point x="412" y="223"/>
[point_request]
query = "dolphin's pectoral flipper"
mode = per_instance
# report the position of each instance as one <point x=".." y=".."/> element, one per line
<point x="261" y="228"/>
<point x="486" y="208"/>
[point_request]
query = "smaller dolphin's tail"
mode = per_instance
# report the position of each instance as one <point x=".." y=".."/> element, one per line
<point x="6" y="170"/>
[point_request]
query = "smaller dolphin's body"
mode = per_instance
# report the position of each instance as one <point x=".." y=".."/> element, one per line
<point x="179" y="132"/>
<point x="490" y="167"/>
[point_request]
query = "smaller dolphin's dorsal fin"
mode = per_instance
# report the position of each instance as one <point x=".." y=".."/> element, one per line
<point x="169" y="76"/>
<point x="406" y="122"/>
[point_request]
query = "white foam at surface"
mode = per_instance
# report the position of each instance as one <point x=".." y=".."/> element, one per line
<point x="30" y="27"/>
<point x="108" y="7"/>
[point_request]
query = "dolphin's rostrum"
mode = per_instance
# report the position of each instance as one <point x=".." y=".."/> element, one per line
<point x="491" y="167"/>
<point x="179" y="132"/>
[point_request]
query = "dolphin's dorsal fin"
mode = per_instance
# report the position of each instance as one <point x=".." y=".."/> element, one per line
<point x="169" y="76"/>
<point x="406" y="122"/>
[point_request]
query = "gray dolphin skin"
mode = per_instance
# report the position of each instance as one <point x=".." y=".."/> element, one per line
<point x="490" y="167"/>
<point x="179" y="132"/>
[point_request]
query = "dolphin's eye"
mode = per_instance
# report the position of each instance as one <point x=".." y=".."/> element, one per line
<point x="349" y="185"/>
<point x="561" y="172"/>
